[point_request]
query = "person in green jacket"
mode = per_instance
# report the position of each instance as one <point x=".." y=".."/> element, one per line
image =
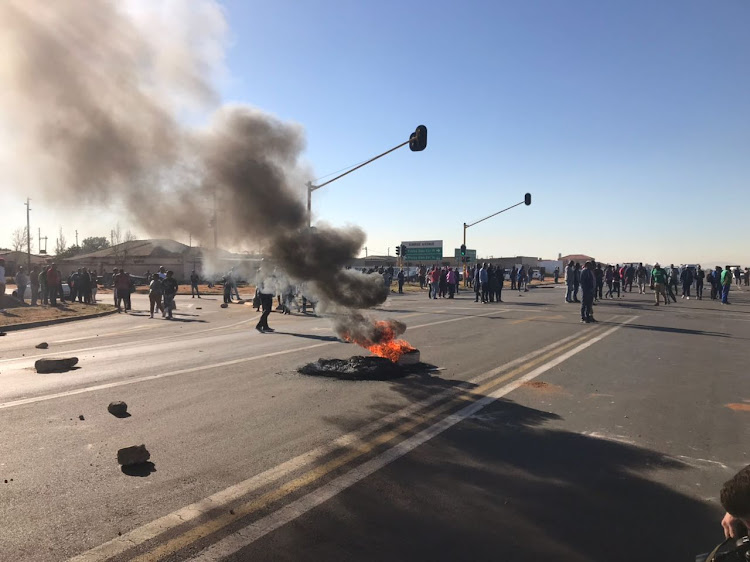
<point x="726" y="282"/>
<point x="659" y="283"/>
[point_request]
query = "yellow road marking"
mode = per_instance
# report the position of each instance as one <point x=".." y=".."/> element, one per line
<point x="209" y="527"/>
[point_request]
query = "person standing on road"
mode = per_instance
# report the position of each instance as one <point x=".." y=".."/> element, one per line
<point x="687" y="281"/>
<point x="609" y="276"/>
<point x="400" y="277"/>
<point x="500" y="277"/>
<point x="22" y="280"/>
<point x="658" y="283"/>
<point x="42" y="280"/>
<point x="599" y="276"/>
<point x="266" y="303"/>
<point x="576" y="281"/>
<point x="169" y="286"/>
<point x="726" y="283"/>
<point x="484" y="279"/>
<point x="674" y="281"/>
<point x="557" y="274"/>
<point x="629" y="277"/>
<point x="616" y="279"/>
<point x="122" y="289"/>
<point x="434" y="282"/>
<point x="194" y="279"/>
<point x="641" y="278"/>
<point x="155" y="291"/>
<point x="477" y="285"/>
<point x="588" y="288"/>
<point x="570" y="274"/>
<point x="54" y="281"/>
<point x="699" y="276"/>
<point x="34" y="284"/>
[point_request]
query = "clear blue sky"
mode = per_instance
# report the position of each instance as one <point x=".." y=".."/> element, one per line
<point x="629" y="122"/>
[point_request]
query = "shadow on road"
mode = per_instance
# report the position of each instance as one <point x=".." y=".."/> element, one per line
<point x="309" y="336"/>
<point x="142" y="470"/>
<point x="669" y="330"/>
<point x="502" y="486"/>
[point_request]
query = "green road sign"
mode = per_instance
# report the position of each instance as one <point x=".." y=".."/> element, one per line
<point x="423" y="251"/>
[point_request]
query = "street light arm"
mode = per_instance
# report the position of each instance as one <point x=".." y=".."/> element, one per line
<point x="312" y="187"/>
<point x="492" y="215"/>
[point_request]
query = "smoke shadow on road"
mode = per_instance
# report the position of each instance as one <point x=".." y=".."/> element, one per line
<point x="507" y="484"/>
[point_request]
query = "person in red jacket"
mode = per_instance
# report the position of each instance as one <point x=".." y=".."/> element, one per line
<point x="53" y="283"/>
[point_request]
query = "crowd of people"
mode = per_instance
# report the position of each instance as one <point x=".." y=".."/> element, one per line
<point x="45" y="284"/>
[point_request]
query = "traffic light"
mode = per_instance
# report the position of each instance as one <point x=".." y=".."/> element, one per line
<point x="418" y="139"/>
<point x="403" y="249"/>
<point x="398" y="250"/>
<point x="463" y="249"/>
<point x="527" y="199"/>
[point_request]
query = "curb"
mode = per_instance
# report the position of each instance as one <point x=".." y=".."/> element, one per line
<point x="41" y="323"/>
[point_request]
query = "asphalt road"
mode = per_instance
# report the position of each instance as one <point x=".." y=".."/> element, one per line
<point x="529" y="436"/>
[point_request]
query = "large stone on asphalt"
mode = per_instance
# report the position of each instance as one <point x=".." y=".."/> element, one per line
<point x="55" y="364"/>
<point x="136" y="454"/>
<point x="224" y="305"/>
<point x="117" y="408"/>
<point x="43" y="345"/>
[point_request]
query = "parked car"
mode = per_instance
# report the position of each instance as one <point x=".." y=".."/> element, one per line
<point x="27" y="293"/>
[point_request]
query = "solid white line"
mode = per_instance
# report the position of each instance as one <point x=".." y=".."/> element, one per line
<point x="126" y="344"/>
<point x="155" y="528"/>
<point x="254" y="531"/>
<point x="146" y="378"/>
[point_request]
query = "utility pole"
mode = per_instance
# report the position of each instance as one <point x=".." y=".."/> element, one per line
<point x="365" y="251"/>
<point x="76" y="238"/>
<point x="28" y="235"/>
<point x="216" y="225"/>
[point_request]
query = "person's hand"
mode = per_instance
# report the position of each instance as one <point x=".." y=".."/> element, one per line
<point x="732" y="526"/>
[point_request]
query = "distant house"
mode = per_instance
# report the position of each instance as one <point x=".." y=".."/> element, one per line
<point x="13" y="259"/>
<point x="579" y="258"/>
<point x="139" y="257"/>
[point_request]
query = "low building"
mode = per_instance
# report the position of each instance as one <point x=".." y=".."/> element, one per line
<point x="14" y="258"/>
<point x="139" y="257"/>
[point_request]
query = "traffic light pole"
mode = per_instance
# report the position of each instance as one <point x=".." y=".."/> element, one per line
<point x="526" y="201"/>
<point x="417" y="142"/>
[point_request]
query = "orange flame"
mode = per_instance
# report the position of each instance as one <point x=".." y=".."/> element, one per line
<point x="387" y="347"/>
<point x="392" y="350"/>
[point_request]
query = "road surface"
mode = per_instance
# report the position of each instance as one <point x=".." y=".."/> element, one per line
<point x="529" y="436"/>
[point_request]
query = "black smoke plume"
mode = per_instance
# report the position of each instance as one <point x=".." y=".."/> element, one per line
<point x="95" y="95"/>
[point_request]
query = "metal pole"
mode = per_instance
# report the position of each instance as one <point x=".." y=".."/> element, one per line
<point x="309" y="203"/>
<point x="76" y="238"/>
<point x="28" y="235"/>
<point x="311" y="187"/>
<point x="216" y="225"/>
<point x="466" y="271"/>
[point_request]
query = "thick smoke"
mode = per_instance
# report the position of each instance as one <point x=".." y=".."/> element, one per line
<point x="95" y="94"/>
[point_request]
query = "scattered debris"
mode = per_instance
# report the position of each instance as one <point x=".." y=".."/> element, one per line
<point x="81" y="417"/>
<point x="118" y="409"/>
<point x="224" y="305"/>
<point x="3" y="334"/>
<point x="137" y="454"/>
<point x="198" y="308"/>
<point x="43" y="345"/>
<point x="55" y="365"/>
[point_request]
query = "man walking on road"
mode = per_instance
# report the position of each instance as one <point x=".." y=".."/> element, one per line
<point x="588" y="287"/>
<point x="726" y="283"/>
<point x="266" y="303"/>
<point x="699" y="276"/>
<point x="570" y="274"/>
<point x="194" y="279"/>
<point x="169" y="288"/>
<point x="658" y="283"/>
<point x="687" y="281"/>
<point x="641" y="276"/>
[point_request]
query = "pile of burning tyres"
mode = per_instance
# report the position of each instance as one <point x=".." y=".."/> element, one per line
<point x="391" y="357"/>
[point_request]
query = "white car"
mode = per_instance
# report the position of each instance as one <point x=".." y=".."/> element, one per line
<point x="27" y="293"/>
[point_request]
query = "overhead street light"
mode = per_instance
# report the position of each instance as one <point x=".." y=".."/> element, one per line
<point x="526" y="201"/>
<point x="417" y="142"/>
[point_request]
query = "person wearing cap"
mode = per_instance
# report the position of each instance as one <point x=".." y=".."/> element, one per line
<point x="658" y="283"/>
